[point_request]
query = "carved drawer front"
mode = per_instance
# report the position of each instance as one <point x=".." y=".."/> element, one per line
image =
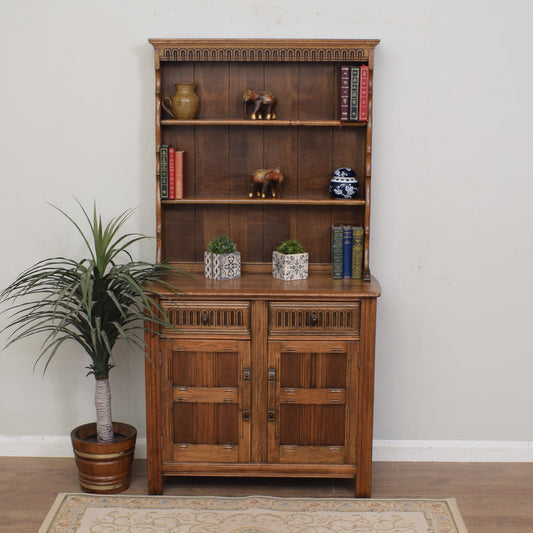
<point x="209" y="317"/>
<point x="314" y="318"/>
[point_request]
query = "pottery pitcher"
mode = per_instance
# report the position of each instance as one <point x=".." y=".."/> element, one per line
<point x="185" y="102"/>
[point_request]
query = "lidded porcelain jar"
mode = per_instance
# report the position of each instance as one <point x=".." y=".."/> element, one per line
<point x="344" y="185"/>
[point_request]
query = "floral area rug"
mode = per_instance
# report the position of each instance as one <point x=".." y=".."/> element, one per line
<point x="88" y="513"/>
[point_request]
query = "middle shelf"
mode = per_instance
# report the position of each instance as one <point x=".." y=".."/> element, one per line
<point x="267" y="201"/>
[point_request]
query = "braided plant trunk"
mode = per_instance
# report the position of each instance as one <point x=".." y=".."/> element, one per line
<point x="102" y="399"/>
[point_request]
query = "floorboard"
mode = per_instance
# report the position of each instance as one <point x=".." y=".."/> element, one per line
<point x="492" y="497"/>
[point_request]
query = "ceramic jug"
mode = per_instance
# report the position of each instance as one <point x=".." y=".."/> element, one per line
<point x="185" y="102"/>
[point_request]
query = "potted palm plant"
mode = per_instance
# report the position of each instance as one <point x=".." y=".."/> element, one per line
<point x="290" y="261"/>
<point x="95" y="302"/>
<point x="221" y="259"/>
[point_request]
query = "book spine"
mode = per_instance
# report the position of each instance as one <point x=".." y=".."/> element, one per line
<point x="347" y="252"/>
<point x="358" y="239"/>
<point x="171" y="173"/>
<point x="163" y="170"/>
<point x="180" y="154"/>
<point x="364" y="76"/>
<point x="336" y="251"/>
<point x="354" y="93"/>
<point x="345" y="94"/>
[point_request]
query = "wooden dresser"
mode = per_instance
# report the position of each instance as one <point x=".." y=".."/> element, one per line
<point x="262" y="377"/>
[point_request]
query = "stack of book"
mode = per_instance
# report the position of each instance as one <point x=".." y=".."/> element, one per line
<point x="354" y="93"/>
<point x="347" y="243"/>
<point x="171" y="172"/>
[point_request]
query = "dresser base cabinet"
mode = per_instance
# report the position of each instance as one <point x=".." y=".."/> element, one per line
<point x="263" y="387"/>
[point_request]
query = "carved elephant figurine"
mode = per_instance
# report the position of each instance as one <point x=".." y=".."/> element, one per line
<point x="266" y="182"/>
<point x="263" y="104"/>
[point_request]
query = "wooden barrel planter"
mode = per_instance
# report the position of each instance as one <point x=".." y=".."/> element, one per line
<point x="104" y="468"/>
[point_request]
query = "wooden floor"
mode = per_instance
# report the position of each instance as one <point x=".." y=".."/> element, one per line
<point x="492" y="497"/>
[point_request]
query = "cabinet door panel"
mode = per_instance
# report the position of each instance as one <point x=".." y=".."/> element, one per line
<point x="204" y="397"/>
<point x="312" y="401"/>
<point x="204" y="423"/>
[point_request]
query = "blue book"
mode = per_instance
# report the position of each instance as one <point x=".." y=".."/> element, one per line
<point x="347" y="233"/>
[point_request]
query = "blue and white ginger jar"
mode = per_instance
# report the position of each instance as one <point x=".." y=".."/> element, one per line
<point x="344" y="184"/>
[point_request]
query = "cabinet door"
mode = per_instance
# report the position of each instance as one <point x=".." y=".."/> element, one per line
<point x="205" y="400"/>
<point x="312" y="394"/>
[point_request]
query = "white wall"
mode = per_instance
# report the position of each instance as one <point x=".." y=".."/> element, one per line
<point x="451" y="220"/>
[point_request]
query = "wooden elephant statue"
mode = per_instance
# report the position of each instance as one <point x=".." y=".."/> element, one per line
<point x="263" y="104"/>
<point x="266" y="182"/>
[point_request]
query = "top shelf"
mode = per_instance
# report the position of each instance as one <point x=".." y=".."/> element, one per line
<point x="259" y="123"/>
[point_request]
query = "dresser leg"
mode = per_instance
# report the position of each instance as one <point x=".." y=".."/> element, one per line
<point x="155" y="486"/>
<point x="363" y="484"/>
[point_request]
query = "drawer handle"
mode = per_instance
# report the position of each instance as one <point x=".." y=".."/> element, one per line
<point x="314" y="320"/>
<point x="205" y="318"/>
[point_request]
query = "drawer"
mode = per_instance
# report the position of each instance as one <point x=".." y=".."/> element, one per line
<point x="210" y="317"/>
<point x="314" y="318"/>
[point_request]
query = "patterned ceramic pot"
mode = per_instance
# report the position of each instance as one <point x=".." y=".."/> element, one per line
<point x="288" y="267"/>
<point x="222" y="266"/>
<point x="344" y="184"/>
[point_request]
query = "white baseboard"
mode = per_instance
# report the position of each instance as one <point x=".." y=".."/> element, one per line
<point x="453" y="451"/>
<point x="34" y="446"/>
<point x="384" y="450"/>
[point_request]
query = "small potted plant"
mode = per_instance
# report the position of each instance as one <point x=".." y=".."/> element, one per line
<point x="95" y="302"/>
<point x="290" y="261"/>
<point x="221" y="259"/>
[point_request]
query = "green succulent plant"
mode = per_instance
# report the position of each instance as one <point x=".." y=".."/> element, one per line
<point x="222" y="245"/>
<point x="290" y="246"/>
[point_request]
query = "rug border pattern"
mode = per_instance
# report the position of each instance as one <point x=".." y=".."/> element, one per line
<point x="69" y="507"/>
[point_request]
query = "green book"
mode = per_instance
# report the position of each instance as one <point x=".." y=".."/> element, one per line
<point x="336" y="251"/>
<point x="358" y="241"/>
<point x="163" y="170"/>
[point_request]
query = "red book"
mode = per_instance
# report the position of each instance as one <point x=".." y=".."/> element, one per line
<point x="171" y="173"/>
<point x="364" y="75"/>
<point x="179" y="173"/>
<point x="345" y="94"/>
